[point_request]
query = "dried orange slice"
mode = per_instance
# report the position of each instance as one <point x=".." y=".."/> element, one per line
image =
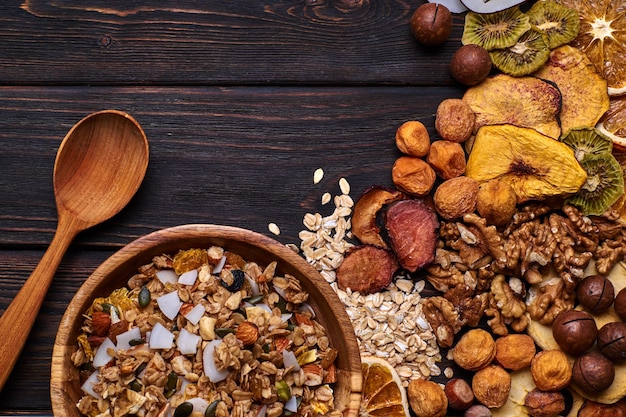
<point x="383" y="393"/>
<point x="613" y="122"/>
<point x="602" y="36"/>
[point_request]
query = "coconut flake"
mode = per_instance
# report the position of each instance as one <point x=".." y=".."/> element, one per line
<point x="199" y="404"/>
<point x="167" y="276"/>
<point x="254" y="286"/>
<point x="195" y="314"/>
<point x="160" y="337"/>
<point x="208" y="361"/>
<point x="170" y="304"/>
<point x="188" y="278"/>
<point x="102" y="357"/>
<point x="87" y="386"/>
<point x="218" y="268"/>
<point x="290" y="360"/>
<point x="123" y="340"/>
<point x="187" y="342"/>
<point x="292" y="404"/>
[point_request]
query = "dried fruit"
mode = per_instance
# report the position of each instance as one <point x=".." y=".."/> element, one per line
<point x="527" y="55"/>
<point x="612" y="341"/>
<point x="515" y="351"/>
<point x="593" y="372"/>
<point x="496" y="202"/>
<point x="459" y="394"/>
<point x="595" y="293"/>
<point x="574" y="331"/>
<point x="603" y="187"/>
<point x="470" y="64"/>
<point x="447" y="158"/>
<point x="544" y="404"/>
<point x="474" y="350"/>
<point x="535" y="165"/>
<point x="601" y="38"/>
<point x="595" y="409"/>
<point x="366" y="269"/>
<point x="587" y="141"/>
<point x="551" y="370"/>
<point x="431" y="24"/>
<point x="491" y="386"/>
<point x="383" y="393"/>
<point x="456" y="197"/>
<point x="613" y="123"/>
<point x="524" y="102"/>
<point x="559" y="23"/>
<point x="495" y="30"/>
<point x="365" y="213"/>
<point x="454" y="120"/>
<point x="413" y="176"/>
<point x="579" y="83"/>
<point x="186" y="260"/>
<point x="412" y="229"/>
<point x="412" y="138"/>
<point x="427" y="398"/>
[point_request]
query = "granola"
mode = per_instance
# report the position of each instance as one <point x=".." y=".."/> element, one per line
<point x="205" y="329"/>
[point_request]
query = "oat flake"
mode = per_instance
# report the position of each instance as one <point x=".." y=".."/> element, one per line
<point x="273" y="227"/>
<point x="318" y="175"/>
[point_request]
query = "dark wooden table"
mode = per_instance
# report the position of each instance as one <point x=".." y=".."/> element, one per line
<point x="241" y="101"/>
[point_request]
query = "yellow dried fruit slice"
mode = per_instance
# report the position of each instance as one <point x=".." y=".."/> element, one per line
<point x="521" y="384"/>
<point x="602" y="37"/>
<point x="520" y="101"/>
<point x="536" y="166"/>
<point x="383" y="394"/>
<point x="583" y="90"/>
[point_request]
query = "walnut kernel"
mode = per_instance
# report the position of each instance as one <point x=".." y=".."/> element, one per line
<point x="454" y="120"/>
<point x="551" y="370"/>
<point x="491" y="386"/>
<point x="413" y="139"/>
<point x="515" y="351"/>
<point x="474" y="350"/>
<point x="427" y="398"/>
<point x="456" y="197"/>
<point x="413" y="176"/>
<point x="447" y="158"/>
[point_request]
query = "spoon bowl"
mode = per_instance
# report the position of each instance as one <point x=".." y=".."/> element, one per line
<point x="99" y="167"/>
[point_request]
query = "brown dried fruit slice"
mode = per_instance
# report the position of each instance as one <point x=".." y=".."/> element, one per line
<point x="520" y="101"/>
<point x="583" y="90"/>
<point x="535" y="165"/>
<point x="366" y="269"/>
<point x="366" y="209"/>
<point x="412" y="229"/>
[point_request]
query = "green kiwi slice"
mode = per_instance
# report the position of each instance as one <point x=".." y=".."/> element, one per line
<point x="587" y="141"/>
<point x="527" y="55"/>
<point x="558" y="22"/>
<point x="604" y="185"/>
<point x="495" y="30"/>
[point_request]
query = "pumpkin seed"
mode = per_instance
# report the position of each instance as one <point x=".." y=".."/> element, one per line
<point x="144" y="297"/>
<point x="184" y="409"/>
<point x="211" y="409"/>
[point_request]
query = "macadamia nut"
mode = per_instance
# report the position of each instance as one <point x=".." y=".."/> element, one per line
<point x="447" y="159"/>
<point x="413" y="139"/>
<point x="455" y="120"/>
<point x="456" y="197"/>
<point x="413" y="176"/>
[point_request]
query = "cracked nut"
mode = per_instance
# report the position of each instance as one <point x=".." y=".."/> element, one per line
<point x="247" y="333"/>
<point x="593" y="372"/>
<point x="447" y="158"/>
<point x="456" y="197"/>
<point x="491" y="386"/>
<point x="574" y="331"/>
<point x="612" y="341"/>
<point x="474" y="350"/>
<point x="427" y="398"/>
<point x="595" y="293"/>
<point x="413" y="139"/>
<point x="595" y="409"/>
<point x="551" y="370"/>
<point x="544" y="403"/>
<point x="515" y="351"/>
<point x="454" y="120"/>
<point x="459" y="394"/>
<point x="413" y="176"/>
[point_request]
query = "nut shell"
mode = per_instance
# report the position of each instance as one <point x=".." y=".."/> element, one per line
<point x="595" y="293"/>
<point x="574" y="331"/>
<point x="456" y="197"/>
<point x="431" y="24"/>
<point x="515" y="351"/>
<point x="491" y="386"/>
<point x="593" y="372"/>
<point x="612" y="341"/>
<point x="551" y="370"/>
<point x="474" y="350"/>
<point x="427" y="398"/>
<point x="470" y="64"/>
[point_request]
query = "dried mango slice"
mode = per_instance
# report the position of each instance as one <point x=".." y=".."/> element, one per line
<point x="536" y="166"/>
<point x="584" y="91"/>
<point x="520" y="101"/>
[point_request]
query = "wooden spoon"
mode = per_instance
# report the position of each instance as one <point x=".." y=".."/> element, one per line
<point x="99" y="167"/>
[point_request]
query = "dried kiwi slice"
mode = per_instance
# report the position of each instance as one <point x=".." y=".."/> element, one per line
<point x="495" y="30"/>
<point x="558" y="22"/>
<point x="526" y="56"/>
<point x="604" y="185"/>
<point x="587" y="141"/>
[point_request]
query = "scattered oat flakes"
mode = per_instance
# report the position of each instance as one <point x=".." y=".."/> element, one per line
<point x="273" y="227"/>
<point x="318" y="175"/>
<point x="326" y="197"/>
<point x="344" y="185"/>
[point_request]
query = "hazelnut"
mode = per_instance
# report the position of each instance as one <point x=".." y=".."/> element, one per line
<point x="413" y="176"/>
<point x="596" y="409"/>
<point x="447" y="158"/>
<point x="427" y="398"/>
<point x="593" y="372"/>
<point x="474" y="350"/>
<point x="431" y="24"/>
<point x="470" y="64"/>
<point x="544" y="404"/>
<point x="413" y="139"/>
<point x="574" y="331"/>
<point x="595" y="293"/>
<point x="454" y="120"/>
<point x="496" y="202"/>
<point x="477" y="410"/>
<point x="247" y="332"/>
<point x="551" y="370"/>
<point x="619" y="304"/>
<point x="612" y="341"/>
<point x="456" y="197"/>
<point x="459" y="393"/>
<point x="515" y="351"/>
<point x="491" y="386"/>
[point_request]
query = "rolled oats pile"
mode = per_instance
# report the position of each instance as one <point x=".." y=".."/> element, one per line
<point x="388" y="324"/>
<point x="205" y="333"/>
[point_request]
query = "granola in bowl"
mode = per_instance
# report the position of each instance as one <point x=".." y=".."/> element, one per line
<point x="205" y="332"/>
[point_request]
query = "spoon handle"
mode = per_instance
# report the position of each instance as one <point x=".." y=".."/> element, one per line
<point x="18" y="319"/>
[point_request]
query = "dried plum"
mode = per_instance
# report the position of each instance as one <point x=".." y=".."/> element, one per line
<point x="232" y="279"/>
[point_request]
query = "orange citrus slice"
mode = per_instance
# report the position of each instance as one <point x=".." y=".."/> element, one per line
<point x="602" y="36"/>
<point x="383" y="393"/>
<point x="613" y="122"/>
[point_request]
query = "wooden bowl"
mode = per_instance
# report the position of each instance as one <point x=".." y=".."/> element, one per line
<point x="115" y="271"/>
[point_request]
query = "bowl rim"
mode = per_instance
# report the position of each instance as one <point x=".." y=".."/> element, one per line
<point x="64" y="386"/>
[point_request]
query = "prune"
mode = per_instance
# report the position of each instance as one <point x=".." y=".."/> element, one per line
<point x="232" y="279"/>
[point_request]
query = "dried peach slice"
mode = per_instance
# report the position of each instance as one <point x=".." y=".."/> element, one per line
<point x="366" y="209"/>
